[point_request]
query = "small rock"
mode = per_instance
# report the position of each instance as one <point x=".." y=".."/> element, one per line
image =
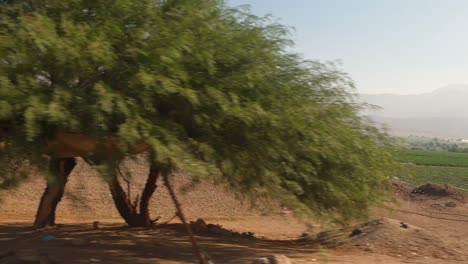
<point x="199" y="226"/>
<point x="94" y="260"/>
<point x="450" y="204"/>
<point x="286" y="211"/>
<point x="262" y="261"/>
<point x="274" y="259"/>
<point x="356" y="232"/>
<point x="249" y="234"/>
<point x="96" y="242"/>
<point x="403" y="225"/>
<point x="48" y="238"/>
<point x="96" y="225"/>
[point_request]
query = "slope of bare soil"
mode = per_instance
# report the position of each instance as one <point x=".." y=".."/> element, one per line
<point x="391" y="237"/>
<point x="435" y="233"/>
<point x="87" y="198"/>
<point x="431" y="190"/>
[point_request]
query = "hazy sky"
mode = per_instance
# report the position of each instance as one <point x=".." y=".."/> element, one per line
<point x="387" y="46"/>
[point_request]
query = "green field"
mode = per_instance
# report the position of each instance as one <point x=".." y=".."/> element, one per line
<point x="433" y="158"/>
<point x="417" y="175"/>
<point x="424" y="166"/>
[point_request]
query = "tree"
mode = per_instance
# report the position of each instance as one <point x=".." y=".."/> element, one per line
<point x="135" y="212"/>
<point x="60" y="170"/>
<point x="211" y="90"/>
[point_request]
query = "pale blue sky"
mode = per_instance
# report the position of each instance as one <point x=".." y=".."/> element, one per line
<point x="387" y="46"/>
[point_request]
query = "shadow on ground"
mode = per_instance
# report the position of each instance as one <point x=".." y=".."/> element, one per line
<point x="112" y="243"/>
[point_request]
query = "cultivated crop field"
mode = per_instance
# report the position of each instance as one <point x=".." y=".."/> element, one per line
<point x="417" y="175"/>
<point x="433" y="158"/>
<point x="423" y="166"/>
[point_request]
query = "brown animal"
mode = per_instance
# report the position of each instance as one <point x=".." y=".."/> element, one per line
<point x="70" y="145"/>
<point x="63" y="148"/>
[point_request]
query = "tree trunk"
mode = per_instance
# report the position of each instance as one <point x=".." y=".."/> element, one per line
<point x="129" y="211"/>
<point x="148" y="191"/>
<point x="60" y="169"/>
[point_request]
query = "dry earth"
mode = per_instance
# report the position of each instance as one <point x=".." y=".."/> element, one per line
<point x="421" y="228"/>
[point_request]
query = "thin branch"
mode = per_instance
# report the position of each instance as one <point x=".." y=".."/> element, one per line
<point x="129" y="196"/>
<point x="155" y="220"/>
<point x="172" y="218"/>
<point x="180" y="214"/>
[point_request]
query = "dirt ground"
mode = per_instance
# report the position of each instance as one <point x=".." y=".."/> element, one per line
<point x="419" y="229"/>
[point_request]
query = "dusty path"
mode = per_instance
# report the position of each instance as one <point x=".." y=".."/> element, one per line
<point x="114" y="244"/>
<point x="88" y="200"/>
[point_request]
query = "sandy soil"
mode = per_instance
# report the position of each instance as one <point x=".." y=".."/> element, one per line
<point x="435" y="233"/>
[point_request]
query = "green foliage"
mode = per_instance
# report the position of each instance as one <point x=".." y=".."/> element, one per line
<point x="418" y="175"/>
<point x="16" y="161"/>
<point x="433" y="158"/>
<point x="211" y="89"/>
<point x="424" y="166"/>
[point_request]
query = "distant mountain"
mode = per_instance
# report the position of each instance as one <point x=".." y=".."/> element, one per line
<point x="440" y="113"/>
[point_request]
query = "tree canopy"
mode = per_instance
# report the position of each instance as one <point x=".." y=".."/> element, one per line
<point x="214" y="91"/>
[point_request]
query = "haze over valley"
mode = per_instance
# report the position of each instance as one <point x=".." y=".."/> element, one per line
<point x="440" y="113"/>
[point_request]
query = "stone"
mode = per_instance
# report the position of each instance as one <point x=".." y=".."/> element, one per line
<point x="450" y="204"/>
<point x="251" y="235"/>
<point x="96" y="242"/>
<point x="262" y="261"/>
<point x="355" y="232"/>
<point x="199" y="226"/>
<point x="48" y="238"/>
<point x="286" y="211"/>
<point x="274" y="259"/>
